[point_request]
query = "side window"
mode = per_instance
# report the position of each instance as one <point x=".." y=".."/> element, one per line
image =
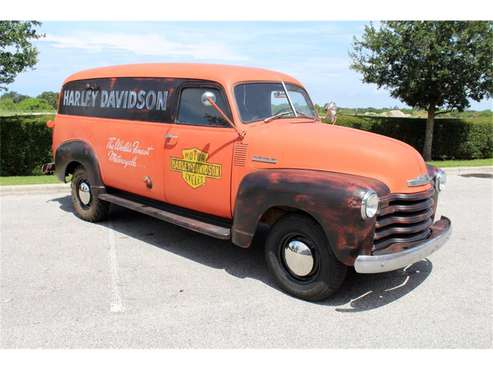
<point x="193" y="111"/>
<point x="129" y="98"/>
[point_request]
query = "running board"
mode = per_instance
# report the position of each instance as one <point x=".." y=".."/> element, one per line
<point x="188" y="223"/>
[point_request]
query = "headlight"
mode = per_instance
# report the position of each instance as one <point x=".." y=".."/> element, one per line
<point x="440" y="180"/>
<point x="369" y="204"/>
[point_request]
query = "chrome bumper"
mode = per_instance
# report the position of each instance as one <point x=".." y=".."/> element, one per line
<point x="441" y="231"/>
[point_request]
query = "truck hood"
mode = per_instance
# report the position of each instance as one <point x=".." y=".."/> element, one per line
<point x="318" y="146"/>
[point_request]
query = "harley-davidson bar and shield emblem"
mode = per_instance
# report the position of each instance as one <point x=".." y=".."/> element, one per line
<point x="194" y="167"/>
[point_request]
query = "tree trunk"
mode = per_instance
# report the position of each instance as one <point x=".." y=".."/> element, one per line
<point x="430" y="122"/>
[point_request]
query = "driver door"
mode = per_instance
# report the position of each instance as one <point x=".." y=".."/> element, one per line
<point x="199" y="151"/>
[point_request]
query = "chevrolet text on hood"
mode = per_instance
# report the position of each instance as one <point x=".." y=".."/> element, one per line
<point x="222" y="149"/>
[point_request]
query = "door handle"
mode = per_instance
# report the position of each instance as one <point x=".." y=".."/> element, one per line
<point x="170" y="139"/>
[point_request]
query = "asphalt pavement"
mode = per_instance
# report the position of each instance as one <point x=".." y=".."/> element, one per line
<point x="136" y="282"/>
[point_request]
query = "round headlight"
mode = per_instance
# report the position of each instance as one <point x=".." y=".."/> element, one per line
<point x="369" y="204"/>
<point x="440" y="180"/>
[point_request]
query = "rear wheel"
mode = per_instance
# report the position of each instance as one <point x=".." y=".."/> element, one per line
<point x="301" y="260"/>
<point x="86" y="205"/>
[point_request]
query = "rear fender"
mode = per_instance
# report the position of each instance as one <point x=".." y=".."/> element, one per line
<point x="77" y="151"/>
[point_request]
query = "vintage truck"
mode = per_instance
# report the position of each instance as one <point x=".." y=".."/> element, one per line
<point x="223" y="149"/>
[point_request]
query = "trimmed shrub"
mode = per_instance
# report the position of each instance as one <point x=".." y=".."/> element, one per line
<point x="452" y="138"/>
<point x="25" y="144"/>
<point x="25" y="141"/>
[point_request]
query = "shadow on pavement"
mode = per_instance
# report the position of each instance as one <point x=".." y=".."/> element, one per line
<point x="365" y="292"/>
<point x="478" y="175"/>
<point x="362" y="292"/>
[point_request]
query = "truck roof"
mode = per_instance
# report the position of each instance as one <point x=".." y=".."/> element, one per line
<point x="222" y="73"/>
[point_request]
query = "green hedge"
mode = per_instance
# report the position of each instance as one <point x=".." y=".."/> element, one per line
<point x="452" y="138"/>
<point x="25" y="144"/>
<point x="25" y="141"/>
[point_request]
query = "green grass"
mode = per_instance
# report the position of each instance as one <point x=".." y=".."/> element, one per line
<point x="15" y="113"/>
<point x="28" y="180"/>
<point x="463" y="163"/>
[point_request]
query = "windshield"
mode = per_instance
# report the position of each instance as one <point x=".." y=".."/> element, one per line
<point x="258" y="101"/>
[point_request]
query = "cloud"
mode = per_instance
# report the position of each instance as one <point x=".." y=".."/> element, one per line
<point x="143" y="44"/>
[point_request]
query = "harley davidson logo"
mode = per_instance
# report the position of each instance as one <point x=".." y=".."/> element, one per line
<point x="194" y="167"/>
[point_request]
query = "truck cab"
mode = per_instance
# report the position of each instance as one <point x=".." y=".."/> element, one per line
<point x="222" y="149"/>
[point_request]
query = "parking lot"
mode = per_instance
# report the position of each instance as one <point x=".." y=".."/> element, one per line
<point x="136" y="282"/>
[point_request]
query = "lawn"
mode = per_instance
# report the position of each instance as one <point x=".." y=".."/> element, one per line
<point x="28" y="180"/>
<point x="463" y="163"/>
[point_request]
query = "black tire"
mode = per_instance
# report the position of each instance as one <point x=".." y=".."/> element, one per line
<point x="327" y="273"/>
<point x="93" y="211"/>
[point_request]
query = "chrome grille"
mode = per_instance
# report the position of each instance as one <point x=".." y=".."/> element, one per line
<point x="404" y="218"/>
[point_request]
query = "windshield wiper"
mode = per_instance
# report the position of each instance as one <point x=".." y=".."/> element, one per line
<point x="282" y="114"/>
<point x="302" y="115"/>
<point x="277" y="115"/>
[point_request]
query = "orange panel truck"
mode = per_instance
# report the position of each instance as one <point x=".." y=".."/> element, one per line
<point x="222" y="149"/>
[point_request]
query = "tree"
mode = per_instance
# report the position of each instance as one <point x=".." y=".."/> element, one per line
<point x="7" y="105"/>
<point x="428" y="65"/>
<point x="14" y="96"/>
<point x="50" y="97"/>
<point x="34" y="105"/>
<point x="16" y="51"/>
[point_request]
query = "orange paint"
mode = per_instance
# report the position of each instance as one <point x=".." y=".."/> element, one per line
<point x="192" y="166"/>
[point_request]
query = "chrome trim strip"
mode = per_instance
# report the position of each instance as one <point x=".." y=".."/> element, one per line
<point x="259" y="158"/>
<point x="393" y="261"/>
<point x="420" y="180"/>
<point x="423" y="195"/>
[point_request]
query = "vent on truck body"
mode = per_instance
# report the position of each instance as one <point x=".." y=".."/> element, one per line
<point x="240" y="154"/>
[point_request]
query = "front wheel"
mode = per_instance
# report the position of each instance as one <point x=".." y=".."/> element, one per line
<point x="301" y="260"/>
<point x="86" y="204"/>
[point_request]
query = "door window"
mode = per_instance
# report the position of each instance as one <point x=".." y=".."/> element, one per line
<point x="193" y="111"/>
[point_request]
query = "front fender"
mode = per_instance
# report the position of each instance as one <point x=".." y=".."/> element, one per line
<point x="333" y="199"/>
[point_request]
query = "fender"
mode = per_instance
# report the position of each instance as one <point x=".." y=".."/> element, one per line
<point x="333" y="199"/>
<point x="82" y="152"/>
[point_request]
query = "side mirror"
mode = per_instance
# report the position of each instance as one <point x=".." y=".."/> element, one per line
<point x="331" y="111"/>
<point x="206" y="96"/>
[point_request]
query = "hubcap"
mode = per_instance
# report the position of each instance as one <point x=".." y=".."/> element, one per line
<point x="299" y="258"/>
<point x="84" y="193"/>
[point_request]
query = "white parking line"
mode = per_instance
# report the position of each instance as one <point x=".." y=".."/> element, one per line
<point x="116" y="299"/>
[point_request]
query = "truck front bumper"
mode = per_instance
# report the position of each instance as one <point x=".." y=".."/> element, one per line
<point x="369" y="264"/>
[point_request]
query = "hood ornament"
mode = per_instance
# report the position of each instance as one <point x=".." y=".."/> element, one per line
<point x="420" y="180"/>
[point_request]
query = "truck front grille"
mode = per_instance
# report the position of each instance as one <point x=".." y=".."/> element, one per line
<point x="404" y="218"/>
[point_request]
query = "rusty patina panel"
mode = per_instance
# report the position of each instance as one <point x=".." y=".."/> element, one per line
<point x="333" y="199"/>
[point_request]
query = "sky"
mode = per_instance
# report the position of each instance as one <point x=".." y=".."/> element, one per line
<point x="316" y="53"/>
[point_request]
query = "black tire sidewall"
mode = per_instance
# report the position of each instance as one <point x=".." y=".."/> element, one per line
<point x="329" y="273"/>
<point x="97" y="210"/>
